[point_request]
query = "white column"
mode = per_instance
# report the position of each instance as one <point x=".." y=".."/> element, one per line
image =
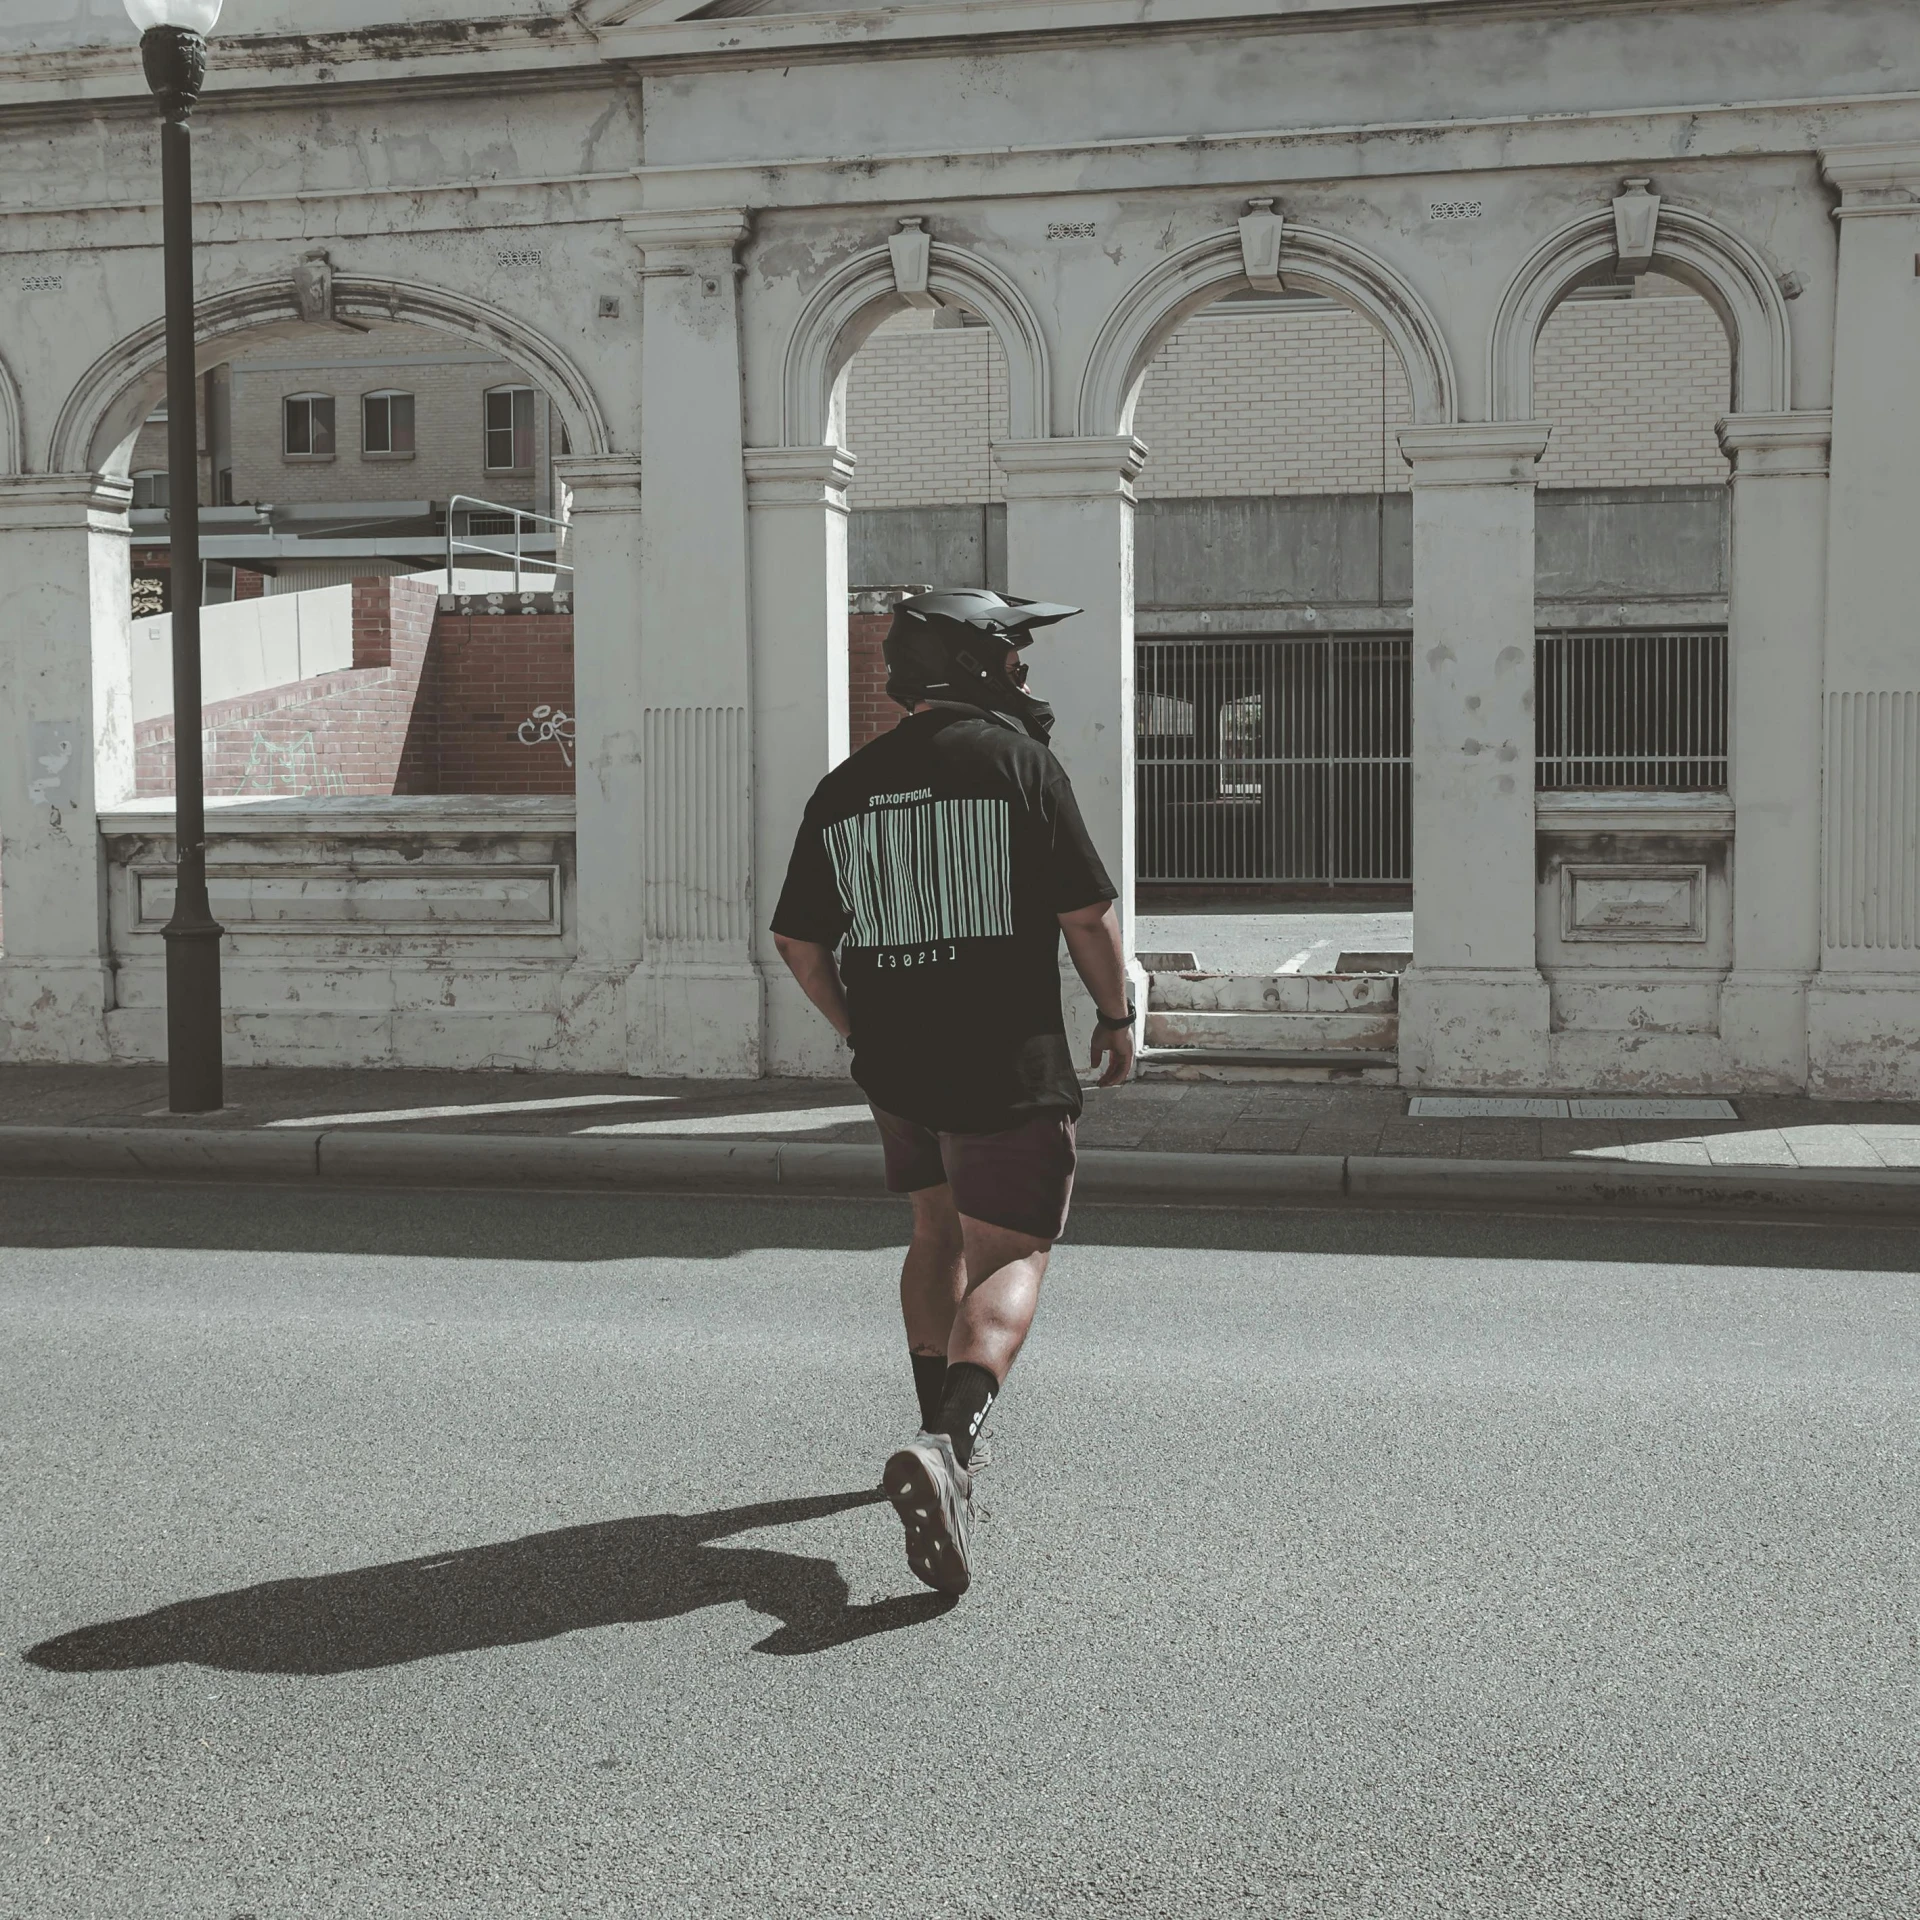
<point x="1473" y="1007"/>
<point x="797" y="536"/>
<point x="1070" y="537"/>
<point x="66" y="749"/>
<point x="603" y="494"/>
<point x="1864" y="1010"/>
<point x="695" y="1003"/>
<point x="1776" y="614"/>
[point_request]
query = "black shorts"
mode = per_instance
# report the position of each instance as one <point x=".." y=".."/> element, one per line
<point x="1021" y="1179"/>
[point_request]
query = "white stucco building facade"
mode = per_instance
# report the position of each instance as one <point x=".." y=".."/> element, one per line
<point x="681" y="222"/>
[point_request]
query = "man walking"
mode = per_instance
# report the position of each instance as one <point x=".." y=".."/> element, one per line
<point x="945" y="860"/>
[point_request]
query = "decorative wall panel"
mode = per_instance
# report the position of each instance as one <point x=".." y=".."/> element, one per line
<point x="473" y="899"/>
<point x="694" y="766"/>
<point x="1872" y="810"/>
<point x="1633" y="903"/>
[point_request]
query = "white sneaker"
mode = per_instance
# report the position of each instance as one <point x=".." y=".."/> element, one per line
<point x="933" y="1495"/>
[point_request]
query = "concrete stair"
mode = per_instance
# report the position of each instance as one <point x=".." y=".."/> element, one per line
<point x="1305" y="1026"/>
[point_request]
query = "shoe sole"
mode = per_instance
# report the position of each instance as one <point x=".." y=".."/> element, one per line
<point x="936" y="1558"/>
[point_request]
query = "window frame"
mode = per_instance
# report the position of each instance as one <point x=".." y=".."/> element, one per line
<point x="288" y="401"/>
<point x="387" y="396"/>
<point x="512" y="430"/>
<point x="145" y="481"/>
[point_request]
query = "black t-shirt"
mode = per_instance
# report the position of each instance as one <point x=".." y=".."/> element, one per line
<point x="938" y="858"/>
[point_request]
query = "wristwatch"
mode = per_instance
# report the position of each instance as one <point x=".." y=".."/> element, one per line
<point x="1112" y="1025"/>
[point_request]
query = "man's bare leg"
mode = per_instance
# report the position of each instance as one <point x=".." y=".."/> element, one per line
<point x="1003" y="1274"/>
<point x="933" y="1277"/>
<point x="928" y="1481"/>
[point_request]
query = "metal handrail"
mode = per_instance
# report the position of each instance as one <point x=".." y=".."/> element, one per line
<point x="518" y="558"/>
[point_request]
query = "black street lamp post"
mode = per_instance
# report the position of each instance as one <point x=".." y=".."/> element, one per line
<point x="174" y="49"/>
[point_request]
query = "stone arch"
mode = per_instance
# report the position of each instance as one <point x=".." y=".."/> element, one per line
<point x="13" y="445"/>
<point x="102" y="416"/>
<point x="849" y="306"/>
<point x="1689" y="246"/>
<point x="1310" y="260"/>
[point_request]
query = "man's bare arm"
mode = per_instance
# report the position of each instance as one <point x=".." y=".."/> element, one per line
<point x="1093" y="940"/>
<point x="813" y="966"/>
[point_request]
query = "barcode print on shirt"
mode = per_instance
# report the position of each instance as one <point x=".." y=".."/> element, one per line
<point x="936" y="871"/>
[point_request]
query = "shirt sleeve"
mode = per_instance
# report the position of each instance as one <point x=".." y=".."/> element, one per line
<point x="1075" y="873"/>
<point x="810" y="906"/>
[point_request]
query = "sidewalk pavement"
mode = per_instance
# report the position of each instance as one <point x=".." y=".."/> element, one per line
<point x="1234" y="1141"/>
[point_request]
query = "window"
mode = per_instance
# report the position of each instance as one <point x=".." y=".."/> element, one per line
<point x="308" y="426"/>
<point x="386" y="424"/>
<point x="150" y="491"/>
<point x="510" y="429"/>
<point x="225" y="488"/>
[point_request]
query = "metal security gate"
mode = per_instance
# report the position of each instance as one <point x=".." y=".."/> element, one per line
<point x="1274" y="760"/>
<point x="1632" y="710"/>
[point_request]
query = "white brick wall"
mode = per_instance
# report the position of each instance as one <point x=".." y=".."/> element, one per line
<point x="1259" y="400"/>
<point x="1632" y="389"/>
<point x="1256" y="400"/>
<point x="923" y="404"/>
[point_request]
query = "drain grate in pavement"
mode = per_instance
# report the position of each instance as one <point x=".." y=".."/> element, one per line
<point x="1473" y="1106"/>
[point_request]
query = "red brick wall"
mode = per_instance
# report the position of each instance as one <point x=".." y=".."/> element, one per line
<point x="869" y="712"/>
<point x="353" y="732"/>
<point x="433" y="703"/>
<point x="492" y="677"/>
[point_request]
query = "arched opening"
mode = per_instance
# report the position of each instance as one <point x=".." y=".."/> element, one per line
<point x="1273" y="620"/>
<point x="1632" y="372"/>
<point x="342" y="469"/>
<point x="918" y="386"/>
<point x="919" y="405"/>
<point x="1633" y="362"/>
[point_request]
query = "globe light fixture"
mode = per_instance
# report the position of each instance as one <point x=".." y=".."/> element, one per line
<point x="173" y="49"/>
<point x="191" y="16"/>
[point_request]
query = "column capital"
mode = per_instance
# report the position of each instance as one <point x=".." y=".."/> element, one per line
<point x="601" y="482"/>
<point x="34" y="502"/>
<point x="1070" y="468"/>
<point x="1477" y="453"/>
<point x="677" y="237"/>
<point x="1880" y="177"/>
<point x="1776" y="443"/>
<point x="798" y="476"/>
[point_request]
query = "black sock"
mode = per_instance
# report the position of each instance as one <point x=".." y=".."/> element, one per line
<point x="930" y="1383"/>
<point x="970" y="1392"/>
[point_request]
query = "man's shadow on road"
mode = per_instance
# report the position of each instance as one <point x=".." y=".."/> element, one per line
<point x="654" y="1567"/>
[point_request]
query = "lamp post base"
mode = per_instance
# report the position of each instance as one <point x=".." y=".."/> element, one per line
<point x="196" y="1078"/>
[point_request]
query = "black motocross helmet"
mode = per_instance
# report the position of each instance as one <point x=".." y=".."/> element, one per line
<point x="951" y="644"/>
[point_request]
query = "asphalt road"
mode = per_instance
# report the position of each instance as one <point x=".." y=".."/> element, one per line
<point x="401" y="1555"/>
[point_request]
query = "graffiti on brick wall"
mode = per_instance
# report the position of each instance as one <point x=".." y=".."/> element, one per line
<point x="546" y="724"/>
<point x="289" y="766"/>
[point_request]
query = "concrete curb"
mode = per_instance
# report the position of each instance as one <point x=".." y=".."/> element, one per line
<point x="353" y="1157"/>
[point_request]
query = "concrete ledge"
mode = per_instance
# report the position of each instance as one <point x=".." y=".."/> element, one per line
<point x="819" y="1167"/>
<point x="1882" y="1193"/>
<point x="1107" y="1175"/>
<point x="196" y="1153"/>
<point x="1119" y="1174"/>
<point x="360" y="1158"/>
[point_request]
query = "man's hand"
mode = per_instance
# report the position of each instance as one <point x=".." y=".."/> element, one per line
<point x="813" y="966"/>
<point x="1115" y="1046"/>
<point x="1093" y="942"/>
